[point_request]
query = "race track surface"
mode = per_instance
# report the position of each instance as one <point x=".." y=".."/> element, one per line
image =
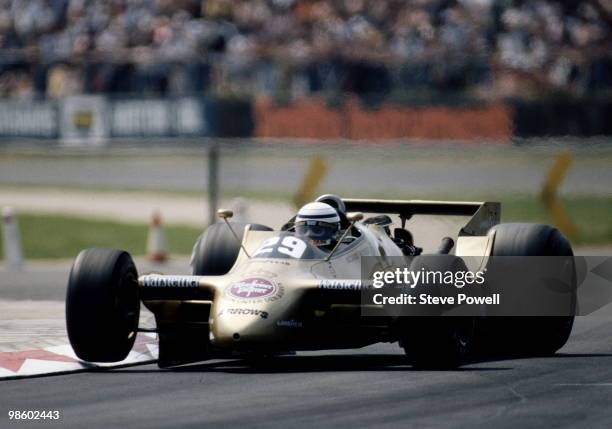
<point x="277" y="169"/>
<point x="371" y="387"/>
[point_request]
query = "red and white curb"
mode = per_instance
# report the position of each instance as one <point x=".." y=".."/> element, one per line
<point x="61" y="359"/>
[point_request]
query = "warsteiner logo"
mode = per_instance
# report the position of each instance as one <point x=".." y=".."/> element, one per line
<point x="253" y="288"/>
<point x="348" y="284"/>
<point x="156" y="280"/>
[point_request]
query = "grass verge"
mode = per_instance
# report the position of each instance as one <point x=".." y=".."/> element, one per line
<point x="56" y="236"/>
<point x="592" y="215"/>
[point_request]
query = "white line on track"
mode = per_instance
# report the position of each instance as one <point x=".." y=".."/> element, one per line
<point x="584" y="384"/>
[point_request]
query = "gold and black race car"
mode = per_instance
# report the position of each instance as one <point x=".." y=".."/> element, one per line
<point x="255" y="291"/>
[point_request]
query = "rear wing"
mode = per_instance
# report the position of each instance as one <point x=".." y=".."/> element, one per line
<point x="407" y="208"/>
<point x="483" y="215"/>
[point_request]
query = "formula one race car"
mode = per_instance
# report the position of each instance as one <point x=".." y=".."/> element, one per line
<point x="257" y="292"/>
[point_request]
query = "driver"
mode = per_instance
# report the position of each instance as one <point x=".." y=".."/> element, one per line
<point x="319" y="223"/>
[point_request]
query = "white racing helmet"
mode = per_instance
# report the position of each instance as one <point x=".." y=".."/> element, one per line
<point x="318" y="222"/>
<point x="333" y="200"/>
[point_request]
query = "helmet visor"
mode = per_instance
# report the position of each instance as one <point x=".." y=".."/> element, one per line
<point x="316" y="230"/>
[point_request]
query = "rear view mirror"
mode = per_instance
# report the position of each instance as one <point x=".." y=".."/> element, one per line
<point x="354" y="217"/>
<point x="225" y="213"/>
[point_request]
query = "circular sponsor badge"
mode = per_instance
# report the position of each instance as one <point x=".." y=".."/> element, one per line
<point x="252" y="288"/>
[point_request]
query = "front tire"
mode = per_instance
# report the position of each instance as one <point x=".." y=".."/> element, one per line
<point x="216" y="250"/>
<point x="102" y="305"/>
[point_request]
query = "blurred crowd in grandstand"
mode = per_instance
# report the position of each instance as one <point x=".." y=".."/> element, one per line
<point x="488" y="48"/>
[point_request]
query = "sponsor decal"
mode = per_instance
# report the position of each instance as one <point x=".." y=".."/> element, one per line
<point x="289" y="323"/>
<point x="253" y="288"/>
<point x="244" y="312"/>
<point x="169" y="281"/>
<point x="340" y="284"/>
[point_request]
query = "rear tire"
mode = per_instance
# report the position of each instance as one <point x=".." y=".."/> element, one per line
<point x="102" y="305"/>
<point x="528" y="336"/>
<point x="436" y="341"/>
<point x="216" y="250"/>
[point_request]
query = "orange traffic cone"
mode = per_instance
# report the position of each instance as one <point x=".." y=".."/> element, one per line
<point x="156" y="242"/>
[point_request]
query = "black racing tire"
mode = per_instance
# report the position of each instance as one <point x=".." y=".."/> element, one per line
<point x="216" y="250"/>
<point x="528" y="336"/>
<point x="436" y="341"/>
<point x="102" y="305"/>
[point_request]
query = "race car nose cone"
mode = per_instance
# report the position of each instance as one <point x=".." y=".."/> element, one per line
<point x="229" y="329"/>
<point x="235" y="327"/>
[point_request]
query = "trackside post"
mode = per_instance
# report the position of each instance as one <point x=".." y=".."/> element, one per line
<point x="11" y="240"/>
